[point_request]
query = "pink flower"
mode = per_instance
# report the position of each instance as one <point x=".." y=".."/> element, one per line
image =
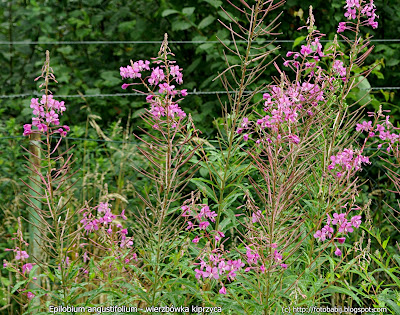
<point x="174" y="70"/>
<point x="339" y="68"/>
<point x="222" y="290"/>
<point x="251" y="258"/>
<point x="328" y="220"/>
<point x="85" y="257"/>
<point x="320" y="235"/>
<point x="190" y="225"/>
<point x="338" y="252"/>
<point x="164" y="87"/>
<point x="351" y="13"/>
<point x="340" y="240"/>
<point x="142" y="65"/>
<point x="342" y="27"/>
<point x="219" y="236"/>
<point x="30" y="295"/>
<point x="346" y="227"/>
<point x="284" y="266"/>
<point x="122" y="215"/>
<point x="124" y="86"/>
<point x="277" y="256"/>
<point x="339" y="219"/>
<point x="356" y="221"/>
<point x="328" y="230"/>
<point x="203" y="225"/>
<point x="365" y="126"/>
<point x="245" y="122"/>
<point x="294" y="139"/>
<point x="305" y="50"/>
<point x="27" y="267"/>
<point x="130" y="72"/>
<point x="211" y="272"/>
<point x="256" y="216"/>
<point x="27" y="129"/>
<point x="21" y="255"/>
<point x="42" y="127"/>
<point x="184" y="92"/>
<point x="199" y="273"/>
<point x="196" y="240"/>
<point x="245" y="137"/>
<point x="126" y="243"/>
<point x="156" y="76"/>
<point x="186" y="211"/>
<point x="52" y="117"/>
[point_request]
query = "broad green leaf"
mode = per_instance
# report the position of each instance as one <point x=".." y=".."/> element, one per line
<point x="363" y="94"/>
<point x="215" y="3"/>
<point x="298" y="40"/>
<point x="188" y="11"/>
<point x="206" y="21"/>
<point x="168" y="12"/>
<point x="181" y="26"/>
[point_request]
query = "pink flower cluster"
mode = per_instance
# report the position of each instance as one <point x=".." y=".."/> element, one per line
<point x="347" y="160"/>
<point x="158" y="74"/>
<point x="343" y="225"/>
<point x="47" y="113"/>
<point x="284" y="106"/>
<point x="366" y="10"/>
<point x="105" y="218"/>
<point x="201" y="217"/>
<point x="313" y="50"/>
<point x="135" y="70"/>
<point x="158" y="110"/>
<point x="340" y="69"/>
<point x="253" y="257"/>
<point x="160" y="80"/>
<point x="22" y="267"/>
<point x="217" y="268"/>
<point x="385" y="129"/>
<point x="256" y="216"/>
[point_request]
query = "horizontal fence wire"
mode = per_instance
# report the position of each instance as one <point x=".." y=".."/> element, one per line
<point x="35" y="93"/>
<point x="152" y="42"/>
<point x="111" y="141"/>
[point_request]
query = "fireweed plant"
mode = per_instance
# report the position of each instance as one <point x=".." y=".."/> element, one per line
<point x="274" y="219"/>
<point x="301" y="145"/>
<point x="172" y="142"/>
<point x="54" y="235"/>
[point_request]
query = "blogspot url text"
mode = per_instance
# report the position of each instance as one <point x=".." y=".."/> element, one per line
<point x="314" y="309"/>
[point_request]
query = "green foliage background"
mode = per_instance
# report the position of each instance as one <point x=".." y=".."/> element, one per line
<point x="94" y="68"/>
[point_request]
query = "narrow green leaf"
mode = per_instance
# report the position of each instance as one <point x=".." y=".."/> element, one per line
<point x="334" y="289"/>
<point x="199" y="182"/>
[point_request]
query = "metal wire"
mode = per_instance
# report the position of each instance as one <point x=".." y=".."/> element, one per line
<point x="152" y="42"/>
<point x="35" y="93"/>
